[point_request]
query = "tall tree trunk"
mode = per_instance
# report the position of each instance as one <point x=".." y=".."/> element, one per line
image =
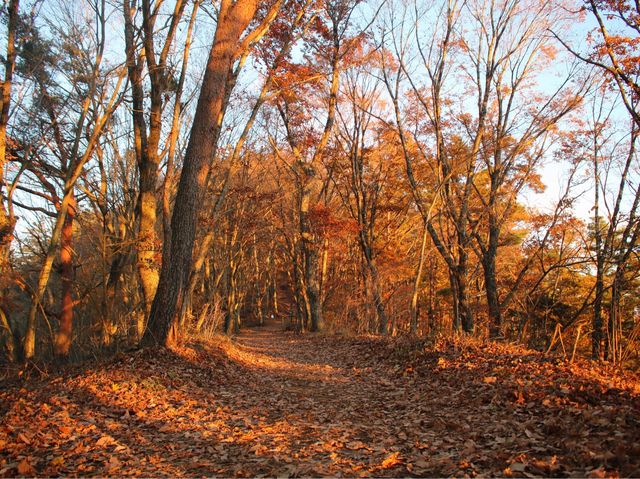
<point x="64" y="337"/>
<point x="148" y="241"/>
<point x="312" y="267"/>
<point x="596" y="335"/>
<point x="489" y="257"/>
<point x="417" y="281"/>
<point x="308" y="176"/>
<point x="29" y="342"/>
<point x="493" y="303"/>
<point x="466" y="318"/>
<point x="383" y="321"/>
<point x="455" y="304"/>
<point x="7" y="220"/>
<point x="233" y="19"/>
<point x="147" y="140"/>
<point x="74" y="171"/>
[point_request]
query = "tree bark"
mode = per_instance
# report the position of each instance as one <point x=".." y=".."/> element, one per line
<point x="7" y="220"/>
<point x="489" y="257"/>
<point x="65" y="332"/>
<point x="233" y="19"/>
<point x="596" y="335"/>
<point x="417" y="281"/>
<point x="311" y="261"/>
<point x="146" y="142"/>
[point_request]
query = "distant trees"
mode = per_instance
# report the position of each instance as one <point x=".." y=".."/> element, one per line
<point x="613" y="234"/>
<point x="484" y="159"/>
<point x="330" y="43"/>
<point x="378" y="167"/>
<point x="614" y="51"/>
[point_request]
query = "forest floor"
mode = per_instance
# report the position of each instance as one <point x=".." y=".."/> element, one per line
<point x="280" y="404"/>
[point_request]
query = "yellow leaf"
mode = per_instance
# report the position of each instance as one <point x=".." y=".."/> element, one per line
<point x="392" y="459"/>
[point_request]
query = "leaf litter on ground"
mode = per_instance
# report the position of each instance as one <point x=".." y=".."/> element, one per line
<point x="286" y="405"/>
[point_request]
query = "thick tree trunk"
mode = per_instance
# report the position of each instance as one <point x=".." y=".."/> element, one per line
<point x="493" y="303"/>
<point x="64" y="337"/>
<point x="491" y="289"/>
<point x="370" y="271"/>
<point x="148" y="241"/>
<point x="466" y="318"/>
<point x="488" y="260"/>
<point x="7" y="220"/>
<point x="233" y="19"/>
<point x="312" y="272"/>
<point x="614" y="348"/>
<point x="311" y="260"/>
<point x="462" y="312"/>
<point x="146" y="149"/>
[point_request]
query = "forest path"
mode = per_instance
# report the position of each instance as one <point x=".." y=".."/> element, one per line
<point x="280" y="404"/>
<point x="332" y="408"/>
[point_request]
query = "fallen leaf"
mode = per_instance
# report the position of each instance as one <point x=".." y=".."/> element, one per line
<point x="391" y="460"/>
<point x="104" y="441"/>
<point x="114" y="463"/>
<point x="24" y="468"/>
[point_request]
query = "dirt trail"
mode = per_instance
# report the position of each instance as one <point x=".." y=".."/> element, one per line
<point x="280" y="404"/>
